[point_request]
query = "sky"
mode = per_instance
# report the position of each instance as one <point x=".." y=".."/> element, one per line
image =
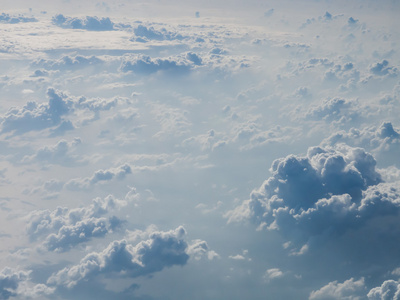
<point x="199" y="149"/>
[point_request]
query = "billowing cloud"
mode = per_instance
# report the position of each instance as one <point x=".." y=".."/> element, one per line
<point x="147" y="33"/>
<point x="65" y="63"/>
<point x="118" y="173"/>
<point x="383" y="69"/>
<point x="65" y="228"/>
<point x="383" y="141"/>
<point x="321" y="197"/>
<point x="142" y="64"/>
<point x="34" y="116"/>
<point x="390" y="289"/>
<point x="88" y="23"/>
<point x="350" y="290"/>
<point x="161" y="250"/>
<point x="60" y="153"/>
<point x="10" y="19"/>
<point x="9" y="281"/>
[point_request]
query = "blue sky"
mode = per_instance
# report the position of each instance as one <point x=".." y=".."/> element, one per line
<point x="199" y="150"/>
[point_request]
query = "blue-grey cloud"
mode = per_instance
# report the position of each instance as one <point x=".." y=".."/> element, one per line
<point x="118" y="173"/>
<point x="305" y="196"/>
<point x="65" y="63"/>
<point x="65" y="228"/>
<point x="383" y="141"/>
<point x="122" y="259"/>
<point x="10" y="19"/>
<point x="9" y="281"/>
<point x="88" y="23"/>
<point x="333" y="109"/>
<point x="143" y="64"/>
<point x="34" y="116"/>
<point x="60" y="153"/>
<point x="145" y="34"/>
<point x="383" y="69"/>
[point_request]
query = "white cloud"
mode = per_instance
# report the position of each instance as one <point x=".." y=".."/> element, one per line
<point x="350" y="289"/>
<point x="390" y="289"/>
<point x="272" y="274"/>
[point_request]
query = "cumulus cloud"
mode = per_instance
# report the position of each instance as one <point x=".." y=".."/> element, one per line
<point x="198" y="249"/>
<point x="148" y="33"/>
<point x="143" y="64"/>
<point x="65" y="63"/>
<point x="60" y="153"/>
<point x="88" y="23"/>
<point x="10" y="19"/>
<point x="383" y="69"/>
<point x="350" y="290"/>
<point x="334" y="110"/>
<point x="326" y="193"/>
<point x="34" y="116"/>
<point x="65" y="228"/>
<point x="9" y="281"/>
<point x="383" y="141"/>
<point x="390" y="289"/>
<point x="118" y="173"/>
<point x="122" y="259"/>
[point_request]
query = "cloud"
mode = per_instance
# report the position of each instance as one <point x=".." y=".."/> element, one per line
<point x="57" y="154"/>
<point x="350" y="290"/>
<point x="383" y="69"/>
<point x="333" y="110"/>
<point x="118" y="173"/>
<point x="326" y="193"/>
<point x="65" y="228"/>
<point x="383" y="141"/>
<point x="122" y="259"/>
<point x="6" y="18"/>
<point x="10" y="280"/>
<point x="390" y="289"/>
<point x="145" y="34"/>
<point x="34" y="116"/>
<point x="88" y="23"/>
<point x="273" y="273"/>
<point x="146" y="65"/>
<point x="198" y="249"/>
<point x="65" y="63"/>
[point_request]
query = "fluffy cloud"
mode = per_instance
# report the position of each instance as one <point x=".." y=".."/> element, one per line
<point x="143" y="64"/>
<point x="326" y="194"/>
<point x="65" y="228"/>
<point x="118" y="173"/>
<point x="389" y="290"/>
<point x="6" y="18"/>
<point x="34" y="116"/>
<point x="9" y="281"/>
<point x="60" y="153"/>
<point x="333" y="109"/>
<point x="161" y="250"/>
<point x="383" y="141"/>
<point x="88" y="23"/>
<point x="383" y="69"/>
<point x="65" y="63"/>
<point x="145" y="34"/>
<point x="350" y="290"/>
